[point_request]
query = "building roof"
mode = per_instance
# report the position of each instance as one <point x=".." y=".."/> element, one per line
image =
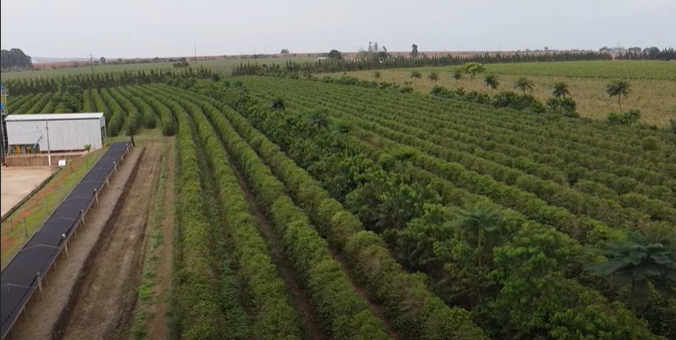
<point x="53" y="116"/>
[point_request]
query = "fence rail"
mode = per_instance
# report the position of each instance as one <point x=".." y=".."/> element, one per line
<point x="23" y="275"/>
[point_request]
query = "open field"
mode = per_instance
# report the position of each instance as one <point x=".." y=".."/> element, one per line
<point x="18" y="183"/>
<point x="653" y="84"/>
<point x="22" y="223"/>
<point x="218" y="65"/>
<point x="298" y="209"/>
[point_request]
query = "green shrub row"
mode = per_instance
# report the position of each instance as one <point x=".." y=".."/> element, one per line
<point x="273" y="317"/>
<point x="87" y="103"/>
<point x="579" y="203"/>
<point x="592" y="148"/>
<point x="167" y="120"/>
<point x="197" y="313"/>
<point x="116" y="123"/>
<point x="342" y="313"/>
<point x="412" y="309"/>
<point x="134" y="119"/>
<point x="147" y="112"/>
<point x="100" y="106"/>
<point x="28" y="104"/>
<point x="49" y="105"/>
<point x="562" y="166"/>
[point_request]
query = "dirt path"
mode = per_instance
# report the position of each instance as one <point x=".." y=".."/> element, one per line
<point x="104" y="299"/>
<point x="44" y="311"/>
<point x="307" y="312"/>
<point x="376" y="309"/>
<point x="157" y="325"/>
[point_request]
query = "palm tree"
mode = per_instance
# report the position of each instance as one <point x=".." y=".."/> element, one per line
<point x="344" y="129"/>
<point x="377" y="75"/>
<point x="640" y="264"/>
<point x="416" y="75"/>
<point x="618" y="89"/>
<point x="457" y="75"/>
<point x="277" y="104"/>
<point x="434" y="76"/>
<point x="479" y="220"/>
<point x="524" y="85"/>
<point x="318" y="121"/>
<point x="491" y="81"/>
<point x="560" y="90"/>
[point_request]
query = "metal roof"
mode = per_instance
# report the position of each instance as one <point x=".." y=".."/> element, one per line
<point x="53" y="116"/>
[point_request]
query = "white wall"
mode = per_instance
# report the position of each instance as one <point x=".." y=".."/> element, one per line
<point x="64" y="135"/>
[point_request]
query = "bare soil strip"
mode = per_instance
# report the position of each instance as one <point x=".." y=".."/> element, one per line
<point x="104" y="298"/>
<point x="45" y="309"/>
<point x="307" y="312"/>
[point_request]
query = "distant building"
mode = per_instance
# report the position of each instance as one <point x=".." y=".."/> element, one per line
<point x="55" y="132"/>
<point x="619" y="49"/>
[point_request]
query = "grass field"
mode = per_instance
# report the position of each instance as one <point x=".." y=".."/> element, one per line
<point x="220" y="65"/>
<point x="653" y="84"/>
<point x="23" y="223"/>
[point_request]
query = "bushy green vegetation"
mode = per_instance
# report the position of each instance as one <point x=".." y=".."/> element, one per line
<point x="452" y="215"/>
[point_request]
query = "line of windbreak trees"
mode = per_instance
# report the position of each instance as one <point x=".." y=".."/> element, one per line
<point x="326" y="66"/>
<point x="102" y="80"/>
<point x="652" y="53"/>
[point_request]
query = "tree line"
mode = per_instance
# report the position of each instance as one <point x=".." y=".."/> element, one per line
<point x="15" y="59"/>
<point x="103" y="80"/>
<point x="342" y="65"/>
<point x="652" y="53"/>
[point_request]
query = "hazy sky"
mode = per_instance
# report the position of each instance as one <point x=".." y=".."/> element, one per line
<point x="137" y="28"/>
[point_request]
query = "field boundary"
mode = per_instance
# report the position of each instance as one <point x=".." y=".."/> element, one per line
<point x="29" y="196"/>
<point x="18" y="282"/>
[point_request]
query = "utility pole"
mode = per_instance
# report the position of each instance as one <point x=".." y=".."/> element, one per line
<point x="49" y="149"/>
<point x="91" y="62"/>
<point x="195" y="47"/>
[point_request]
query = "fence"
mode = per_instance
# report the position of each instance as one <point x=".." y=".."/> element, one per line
<point x="24" y="274"/>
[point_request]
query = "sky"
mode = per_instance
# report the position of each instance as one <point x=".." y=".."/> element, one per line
<point x="150" y="28"/>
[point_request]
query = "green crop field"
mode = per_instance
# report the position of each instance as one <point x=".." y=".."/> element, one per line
<point x="218" y="65"/>
<point x="314" y="209"/>
<point x="653" y="84"/>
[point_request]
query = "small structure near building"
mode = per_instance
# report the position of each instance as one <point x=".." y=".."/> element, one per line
<point x="54" y="132"/>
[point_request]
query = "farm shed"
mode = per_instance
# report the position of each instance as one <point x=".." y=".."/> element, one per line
<point x="55" y="132"/>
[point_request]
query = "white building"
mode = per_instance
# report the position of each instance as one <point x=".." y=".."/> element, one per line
<point x="55" y="132"/>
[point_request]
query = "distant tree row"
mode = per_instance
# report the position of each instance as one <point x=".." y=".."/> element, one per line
<point x="342" y="65"/>
<point x="652" y="53"/>
<point x="15" y="59"/>
<point x="102" y="80"/>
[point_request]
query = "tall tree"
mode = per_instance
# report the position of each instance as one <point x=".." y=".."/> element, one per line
<point x="560" y="89"/>
<point x="457" y="75"/>
<point x="473" y="69"/>
<point x="416" y="75"/>
<point x="414" y="50"/>
<point x="14" y="58"/>
<point x="335" y="54"/>
<point x="433" y="76"/>
<point x="640" y="264"/>
<point x="491" y="81"/>
<point x="524" y="84"/>
<point x="618" y="89"/>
